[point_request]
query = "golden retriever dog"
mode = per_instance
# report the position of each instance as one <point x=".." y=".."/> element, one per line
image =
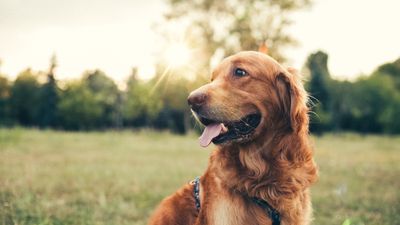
<point x="255" y="111"/>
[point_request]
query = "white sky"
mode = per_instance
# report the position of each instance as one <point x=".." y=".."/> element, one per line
<point x="116" y="35"/>
<point x="358" y="35"/>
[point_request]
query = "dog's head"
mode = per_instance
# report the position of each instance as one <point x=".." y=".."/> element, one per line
<point x="249" y="96"/>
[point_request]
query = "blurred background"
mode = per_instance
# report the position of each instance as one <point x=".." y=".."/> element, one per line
<point x="94" y="124"/>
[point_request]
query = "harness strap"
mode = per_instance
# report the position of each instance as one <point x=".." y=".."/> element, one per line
<point x="270" y="211"/>
<point x="196" y="192"/>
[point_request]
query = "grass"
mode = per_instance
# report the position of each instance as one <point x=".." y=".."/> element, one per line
<point x="50" y="177"/>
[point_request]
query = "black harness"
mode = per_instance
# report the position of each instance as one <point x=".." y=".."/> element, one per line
<point x="269" y="210"/>
<point x="196" y="192"/>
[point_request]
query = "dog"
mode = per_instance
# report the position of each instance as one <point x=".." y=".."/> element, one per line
<point x="255" y="111"/>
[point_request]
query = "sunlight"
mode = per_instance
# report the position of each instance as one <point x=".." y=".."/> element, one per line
<point x="177" y="55"/>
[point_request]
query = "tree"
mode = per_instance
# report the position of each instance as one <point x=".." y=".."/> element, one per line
<point x="106" y="94"/>
<point x="141" y="105"/>
<point x="174" y="96"/>
<point x="391" y="69"/>
<point x="92" y="102"/>
<point x="48" y="98"/>
<point x="340" y="114"/>
<point x="79" y="108"/>
<point x="390" y="116"/>
<point x="231" y="26"/>
<point x="317" y="65"/>
<point x="173" y="89"/>
<point x="24" y="98"/>
<point x="370" y="98"/>
<point x="4" y="101"/>
<point x="318" y="87"/>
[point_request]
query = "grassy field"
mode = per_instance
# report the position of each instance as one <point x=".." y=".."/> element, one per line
<point x="49" y="177"/>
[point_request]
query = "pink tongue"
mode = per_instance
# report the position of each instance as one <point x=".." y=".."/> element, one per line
<point x="210" y="132"/>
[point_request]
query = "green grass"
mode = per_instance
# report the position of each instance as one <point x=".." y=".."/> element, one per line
<point x="49" y="177"/>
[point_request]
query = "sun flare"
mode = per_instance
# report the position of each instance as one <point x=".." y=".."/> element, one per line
<point x="177" y="55"/>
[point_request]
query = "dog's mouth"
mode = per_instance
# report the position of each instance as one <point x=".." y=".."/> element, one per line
<point x="220" y="132"/>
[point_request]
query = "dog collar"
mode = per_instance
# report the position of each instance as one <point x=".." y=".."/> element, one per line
<point x="272" y="213"/>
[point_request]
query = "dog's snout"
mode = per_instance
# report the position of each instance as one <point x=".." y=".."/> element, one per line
<point x="197" y="99"/>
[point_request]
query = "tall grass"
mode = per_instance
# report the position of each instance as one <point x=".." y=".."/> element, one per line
<point x="50" y="177"/>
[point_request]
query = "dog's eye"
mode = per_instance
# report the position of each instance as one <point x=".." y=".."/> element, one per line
<point x="239" y="72"/>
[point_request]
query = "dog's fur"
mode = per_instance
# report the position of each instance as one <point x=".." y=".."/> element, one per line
<point x="275" y="163"/>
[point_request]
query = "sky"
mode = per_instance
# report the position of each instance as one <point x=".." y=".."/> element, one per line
<point x="115" y="36"/>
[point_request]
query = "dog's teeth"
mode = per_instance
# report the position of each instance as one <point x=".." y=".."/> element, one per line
<point x="224" y="128"/>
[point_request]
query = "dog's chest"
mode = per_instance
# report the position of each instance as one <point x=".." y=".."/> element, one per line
<point x="235" y="211"/>
<point x="227" y="211"/>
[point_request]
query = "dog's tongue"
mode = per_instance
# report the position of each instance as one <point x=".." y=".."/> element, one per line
<point x="210" y="132"/>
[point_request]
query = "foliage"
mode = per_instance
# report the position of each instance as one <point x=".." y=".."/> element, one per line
<point x="393" y="70"/>
<point x="79" y="108"/>
<point x="141" y="105"/>
<point x="318" y="88"/>
<point x="367" y="105"/>
<point x="5" y="113"/>
<point x="342" y="106"/>
<point x="107" y="95"/>
<point x="370" y="104"/>
<point x="24" y="98"/>
<point x="48" y="99"/>
<point x="229" y="26"/>
<point x="370" y="97"/>
<point x="390" y="117"/>
<point x="173" y="91"/>
<point x="317" y="64"/>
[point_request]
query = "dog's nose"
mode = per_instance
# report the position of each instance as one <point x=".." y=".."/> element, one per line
<point x="196" y="99"/>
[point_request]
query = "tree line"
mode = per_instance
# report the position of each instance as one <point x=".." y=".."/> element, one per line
<point x="369" y="104"/>
<point x="37" y="99"/>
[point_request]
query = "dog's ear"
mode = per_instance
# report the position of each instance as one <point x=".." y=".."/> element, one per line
<point x="284" y="96"/>
<point x="292" y="97"/>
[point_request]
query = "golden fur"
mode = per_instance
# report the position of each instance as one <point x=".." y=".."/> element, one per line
<point x="275" y="163"/>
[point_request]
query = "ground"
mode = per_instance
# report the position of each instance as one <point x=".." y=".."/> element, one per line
<point x="49" y="177"/>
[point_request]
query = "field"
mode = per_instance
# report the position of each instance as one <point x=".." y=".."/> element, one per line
<point x="49" y="177"/>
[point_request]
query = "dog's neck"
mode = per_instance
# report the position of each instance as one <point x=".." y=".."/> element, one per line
<point x="273" y="171"/>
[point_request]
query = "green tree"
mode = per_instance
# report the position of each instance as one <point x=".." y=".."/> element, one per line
<point x="391" y="69"/>
<point x="24" y="98"/>
<point x="342" y="103"/>
<point x="370" y="98"/>
<point x="318" y="88"/>
<point x="317" y="65"/>
<point x="78" y="107"/>
<point x="141" y="105"/>
<point x="4" y="101"/>
<point x="48" y="99"/>
<point x="173" y="91"/>
<point x="368" y="104"/>
<point x="390" y="116"/>
<point x="106" y="94"/>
